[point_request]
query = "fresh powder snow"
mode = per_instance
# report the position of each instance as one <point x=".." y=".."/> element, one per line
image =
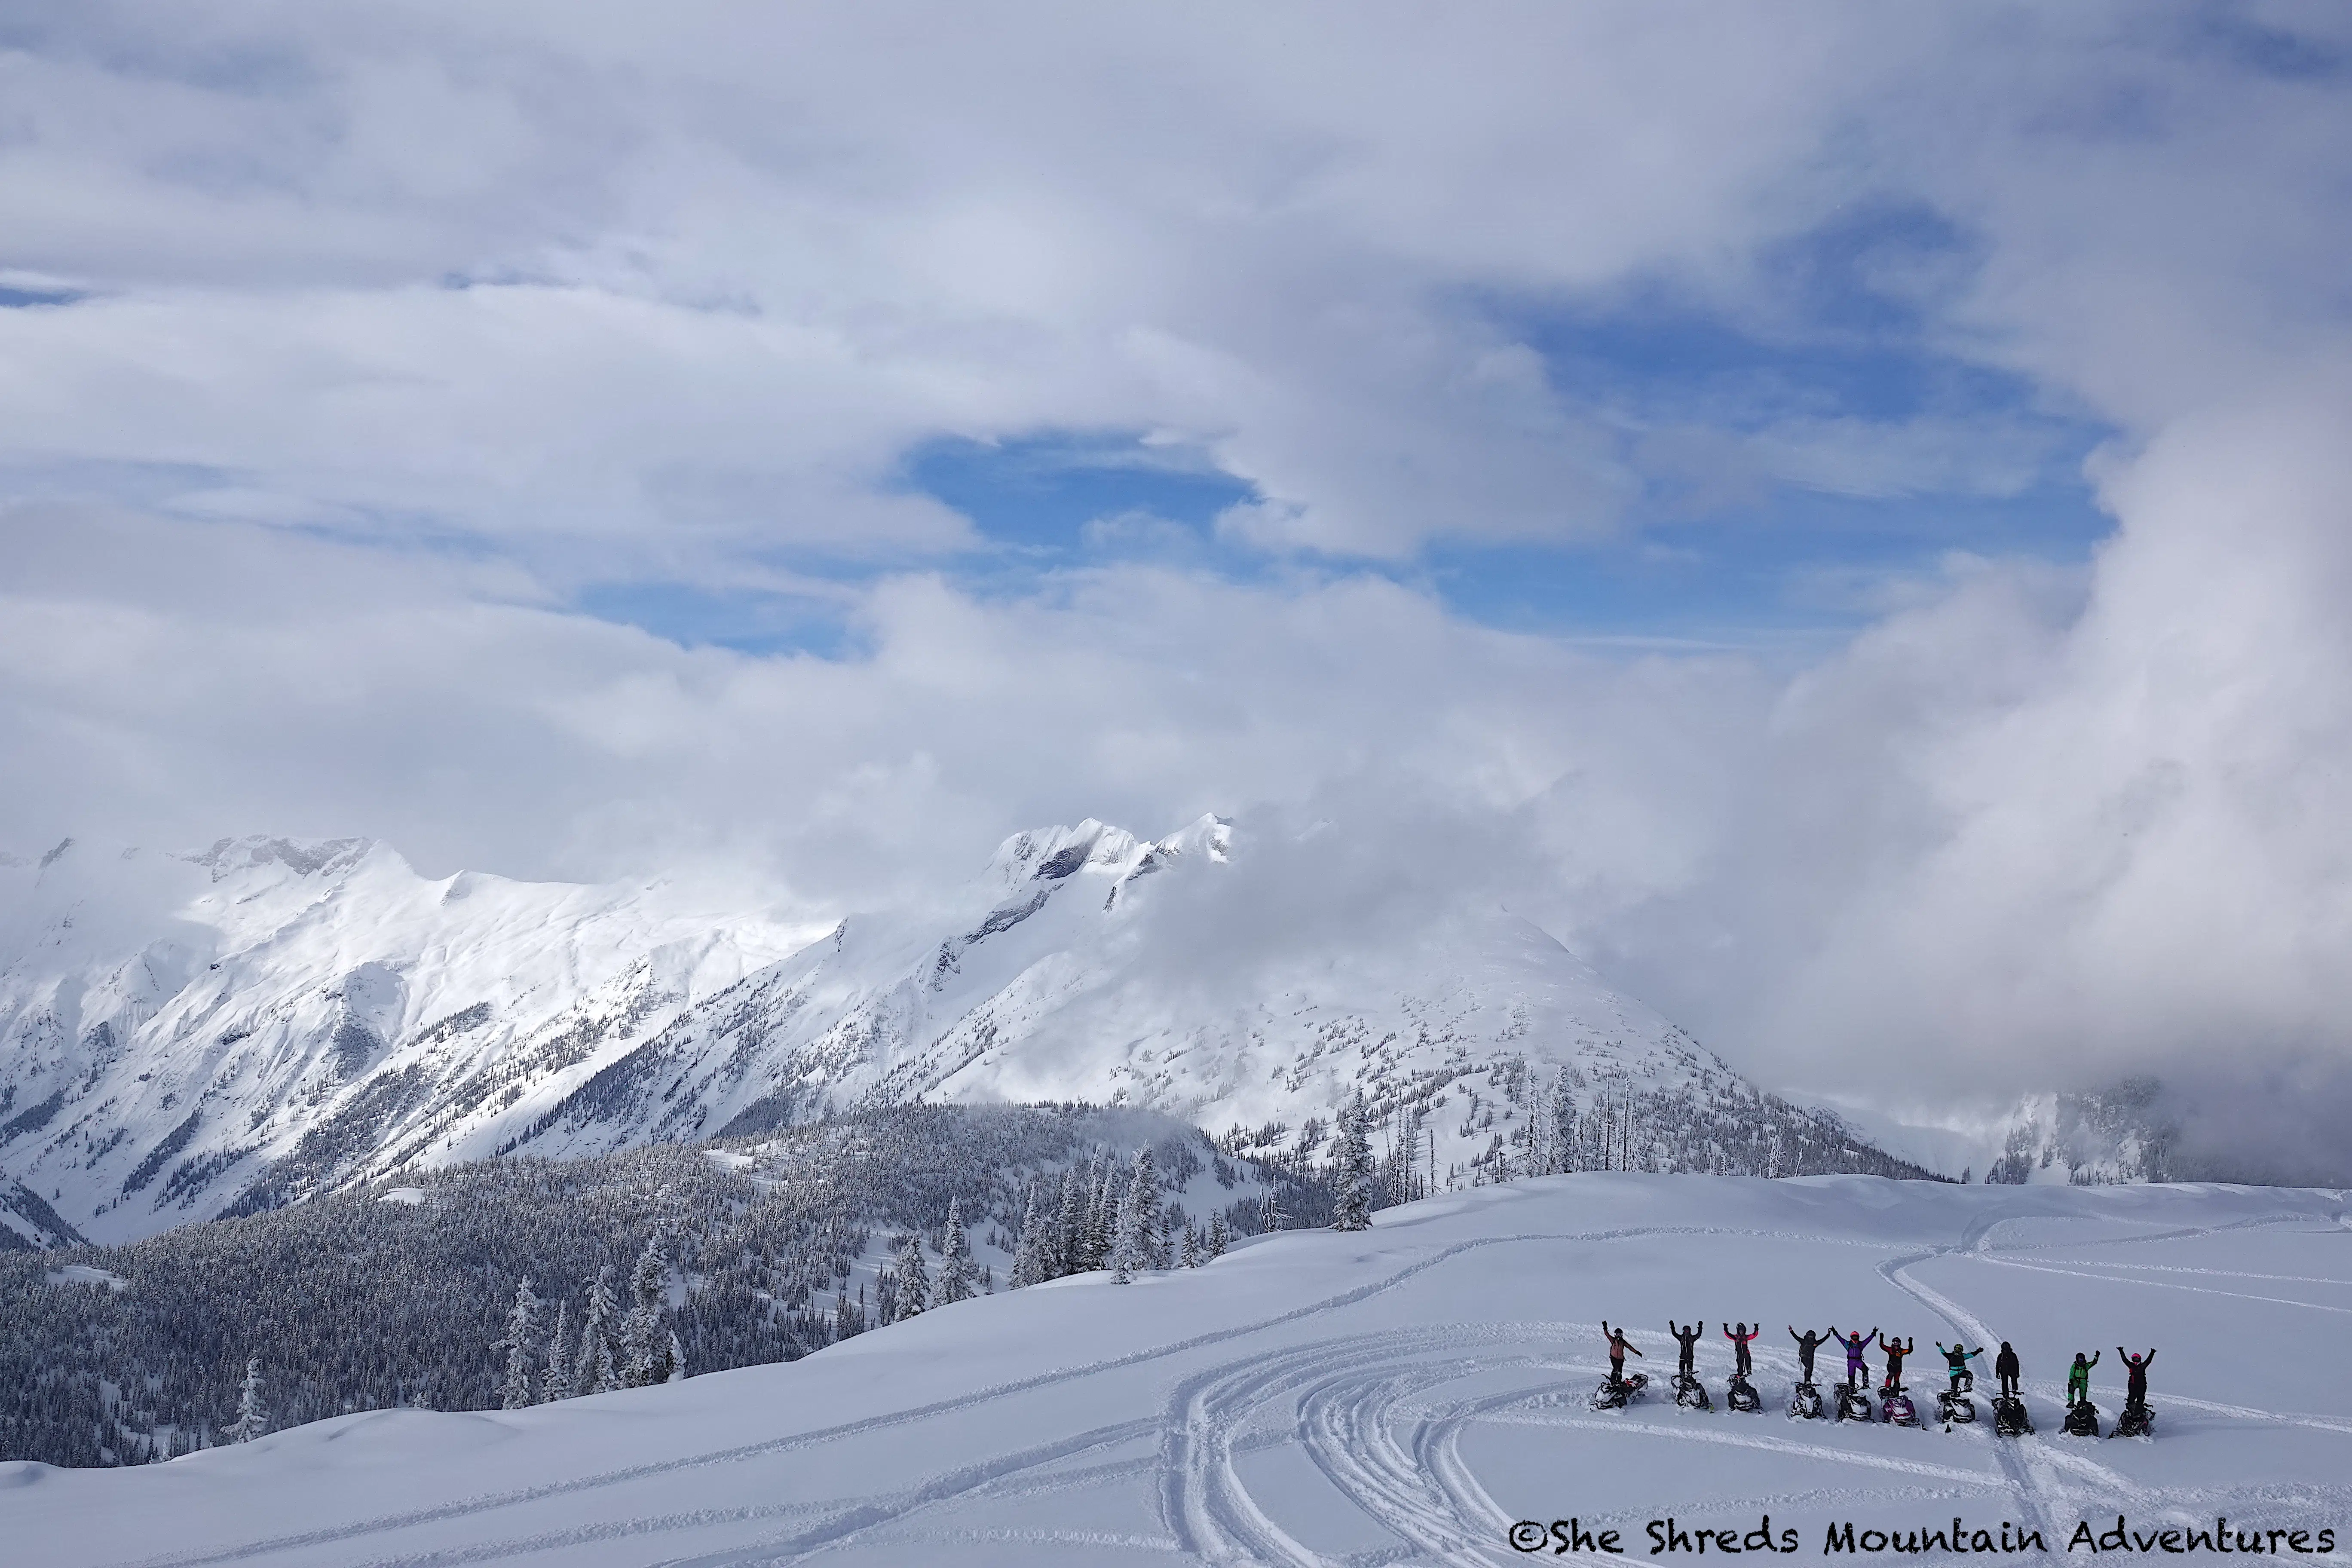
<point x="1407" y="1393"/>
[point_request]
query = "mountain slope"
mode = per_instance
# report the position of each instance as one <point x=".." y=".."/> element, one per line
<point x="1090" y="963"/>
<point x="182" y="1036"/>
<point x="174" y="1029"/>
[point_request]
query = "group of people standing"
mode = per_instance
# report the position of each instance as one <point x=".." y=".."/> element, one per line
<point x="1856" y="1345"/>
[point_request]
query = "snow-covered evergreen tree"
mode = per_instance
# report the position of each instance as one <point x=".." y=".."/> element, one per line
<point x="1190" y="1257"/>
<point x="252" y="1410"/>
<point x="645" y="1331"/>
<point x="1221" y="1236"/>
<point x="848" y="1317"/>
<point x="1137" y="1244"/>
<point x="557" y="1382"/>
<point x="910" y="1280"/>
<point x="592" y="1371"/>
<point x="1077" y="1186"/>
<point x="1102" y="1216"/>
<point x="1352" y="1169"/>
<point x="519" y="1389"/>
<point x="959" y="1277"/>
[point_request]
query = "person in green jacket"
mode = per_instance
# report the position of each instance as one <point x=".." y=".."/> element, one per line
<point x="2078" y="1378"/>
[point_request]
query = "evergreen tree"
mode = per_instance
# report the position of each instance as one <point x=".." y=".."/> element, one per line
<point x="848" y="1318"/>
<point x="252" y="1411"/>
<point x="1191" y="1257"/>
<point x="1137" y="1244"/>
<point x="1076" y="1187"/>
<point x="1102" y="1216"/>
<point x="592" y="1371"/>
<point x="959" y="1279"/>
<point x="1352" y="1169"/>
<point x="557" y="1383"/>
<point x="1221" y="1236"/>
<point x="912" y="1279"/>
<point x="645" y="1331"/>
<point x="519" y="1389"/>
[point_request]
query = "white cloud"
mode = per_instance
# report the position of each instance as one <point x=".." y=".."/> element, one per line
<point x="723" y="266"/>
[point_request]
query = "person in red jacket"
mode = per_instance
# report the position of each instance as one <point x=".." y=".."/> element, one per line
<point x="1618" y="1346"/>
<point x="1895" y="1351"/>
<point x="2135" y="1376"/>
<point x="1739" y="1338"/>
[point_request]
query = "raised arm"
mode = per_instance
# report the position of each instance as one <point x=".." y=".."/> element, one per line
<point x="2095" y="1358"/>
<point x="1873" y="1335"/>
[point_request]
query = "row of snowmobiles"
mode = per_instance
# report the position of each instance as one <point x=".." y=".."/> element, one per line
<point x="1893" y="1406"/>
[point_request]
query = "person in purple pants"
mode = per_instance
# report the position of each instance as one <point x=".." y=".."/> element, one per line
<point x="1856" y="1374"/>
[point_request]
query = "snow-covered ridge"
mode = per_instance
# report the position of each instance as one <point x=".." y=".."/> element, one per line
<point x="185" y="1036"/>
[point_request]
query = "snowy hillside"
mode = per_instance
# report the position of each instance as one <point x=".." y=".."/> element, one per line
<point x="183" y="1037"/>
<point x="173" y="1028"/>
<point x="1402" y="1395"/>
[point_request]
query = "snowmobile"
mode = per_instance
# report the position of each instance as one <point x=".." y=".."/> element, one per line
<point x="1894" y="1407"/>
<point x="2009" y="1416"/>
<point x="1691" y="1393"/>
<point x="1614" y="1395"/>
<point x="1853" y="1403"/>
<point x="1741" y="1395"/>
<point x="2136" y="1421"/>
<point x="2082" y="1419"/>
<point x="1956" y="1409"/>
<point x="1805" y="1403"/>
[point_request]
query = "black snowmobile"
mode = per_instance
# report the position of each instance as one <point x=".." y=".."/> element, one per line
<point x="1805" y="1403"/>
<point x="1894" y="1407"/>
<point x="1853" y="1403"/>
<point x="1690" y="1393"/>
<point x="2136" y="1421"/>
<point x="2082" y="1419"/>
<point x="1741" y="1395"/>
<point x="1956" y="1409"/>
<point x="1615" y="1395"/>
<point x="2009" y="1416"/>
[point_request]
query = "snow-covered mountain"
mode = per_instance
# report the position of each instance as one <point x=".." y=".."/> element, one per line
<point x="174" y="1029"/>
<point x="182" y="1036"/>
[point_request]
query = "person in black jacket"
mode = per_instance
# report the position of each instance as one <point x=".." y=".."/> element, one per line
<point x="1807" y="1343"/>
<point x="1895" y="1351"/>
<point x="2136" y="1375"/>
<point x="2004" y="1366"/>
<point x="1688" y="1339"/>
<point x="1740" y="1338"/>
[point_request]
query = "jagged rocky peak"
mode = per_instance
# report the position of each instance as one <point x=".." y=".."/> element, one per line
<point x="1052" y="854"/>
<point x="303" y="857"/>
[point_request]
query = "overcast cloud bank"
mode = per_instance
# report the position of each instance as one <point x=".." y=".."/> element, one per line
<point x="345" y="363"/>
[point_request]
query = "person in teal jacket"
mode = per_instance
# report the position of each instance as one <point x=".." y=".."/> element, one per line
<point x="1956" y="1362"/>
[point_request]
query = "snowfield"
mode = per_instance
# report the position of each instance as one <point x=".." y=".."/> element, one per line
<point x="1399" y="1396"/>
